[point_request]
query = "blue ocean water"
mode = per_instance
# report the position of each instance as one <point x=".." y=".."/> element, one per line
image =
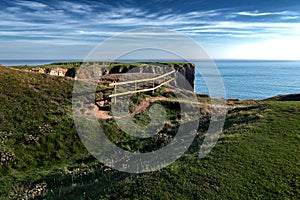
<point x="254" y="79"/>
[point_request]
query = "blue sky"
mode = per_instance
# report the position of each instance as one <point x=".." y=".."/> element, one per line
<point x="230" y="29"/>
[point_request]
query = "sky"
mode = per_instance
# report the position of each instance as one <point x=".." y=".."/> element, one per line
<point x="225" y="29"/>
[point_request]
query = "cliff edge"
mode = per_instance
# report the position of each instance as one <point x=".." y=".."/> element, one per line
<point x="187" y="70"/>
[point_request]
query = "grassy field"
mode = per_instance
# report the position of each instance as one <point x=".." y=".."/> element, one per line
<point x="256" y="157"/>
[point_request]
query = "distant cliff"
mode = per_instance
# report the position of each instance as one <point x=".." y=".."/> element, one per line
<point x="55" y="71"/>
<point x="187" y="70"/>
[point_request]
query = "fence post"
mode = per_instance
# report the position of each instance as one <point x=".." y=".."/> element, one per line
<point x="115" y="99"/>
<point x="153" y="87"/>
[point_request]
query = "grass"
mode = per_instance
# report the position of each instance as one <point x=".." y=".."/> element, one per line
<point x="36" y="126"/>
<point x="256" y="157"/>
<point x="120" y="66"/>
<point x="67" y="65"/>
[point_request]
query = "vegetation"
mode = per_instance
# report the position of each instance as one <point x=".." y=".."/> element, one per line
<point x="113" y="65"/>
<point x="257" y="156"/>
<point x="67" y="65"/>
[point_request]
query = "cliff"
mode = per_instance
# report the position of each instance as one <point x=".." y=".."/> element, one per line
<point x="54" y="71"/>
<point x="187" y="70"/>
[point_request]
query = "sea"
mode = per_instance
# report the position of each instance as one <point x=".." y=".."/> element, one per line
<point x="241" y="79"/>
<point x="253" y="79"/>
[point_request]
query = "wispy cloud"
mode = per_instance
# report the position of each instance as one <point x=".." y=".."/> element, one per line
<point x="86" y="22"/>
<point x="30" y="4"/>
<point x="290" y="17"/>
<point x="57" y="21"/>
<point x="258" y="14"/>
<point x="80" y="8"/>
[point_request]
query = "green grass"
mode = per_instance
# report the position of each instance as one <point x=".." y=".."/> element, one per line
<point x="256" y="157"/>
<point x="35" y="106"/>
<point x="53" y="65"/>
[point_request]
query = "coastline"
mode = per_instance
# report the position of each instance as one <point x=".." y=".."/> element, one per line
<point x="200" y="87"/>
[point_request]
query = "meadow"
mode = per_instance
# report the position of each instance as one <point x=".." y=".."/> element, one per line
<point x="42" y="157"/>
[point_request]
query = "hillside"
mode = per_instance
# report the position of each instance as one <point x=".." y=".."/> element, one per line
<point x="257" y="155"/>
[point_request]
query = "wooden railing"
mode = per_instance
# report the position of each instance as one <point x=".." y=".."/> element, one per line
<point x="136" y="90"/>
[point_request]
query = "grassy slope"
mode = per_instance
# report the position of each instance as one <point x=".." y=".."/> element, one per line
<point x="37" y="106"/>
<point x="256" y="157"/>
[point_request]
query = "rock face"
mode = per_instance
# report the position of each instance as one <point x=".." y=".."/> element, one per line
<point x="55" y="71"/>
<point x="71" y="73"/>
<point x="187" y="70"/>
<point x="58" y="71"/>
<point x="288" y="97"/>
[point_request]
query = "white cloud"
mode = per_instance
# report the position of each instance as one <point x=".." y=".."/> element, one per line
<point x="71" y="23"/>
<point x="289" y="17"/>
<point x="130" y="17"/>
<point x="257" y="35"/>
<point x="75" y="7"/>
<point x="95" y="33"/>
<point x="251" y="25"/>
<point x="198" y="14"/>
<point x="31" y="4"/>
<point x="257" y="13"/>
<point x="286" y="48"/>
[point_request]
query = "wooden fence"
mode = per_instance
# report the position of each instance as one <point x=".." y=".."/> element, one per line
<point x="135" y="82"/>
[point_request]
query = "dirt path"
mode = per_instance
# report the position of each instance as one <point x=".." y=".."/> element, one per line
<point x="142" y="106"/>
<point x="101" y="114"/>
<point x="145" y="104"/>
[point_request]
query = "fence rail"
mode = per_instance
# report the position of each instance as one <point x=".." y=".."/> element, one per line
<point x="143" y="80"/>
<point x="140" y="81"/>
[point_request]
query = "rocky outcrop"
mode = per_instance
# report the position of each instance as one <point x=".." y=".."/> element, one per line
<point x="187" y="70"/>
<point x="71" y="73"/>
<point x="58" y="71"/>
<point x="288" y="97"/>
<point x="55" y="71"/>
